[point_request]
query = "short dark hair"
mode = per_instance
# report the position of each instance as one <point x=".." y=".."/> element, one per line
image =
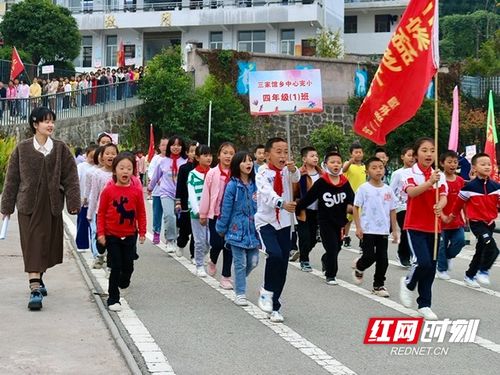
<point x="380" y="149"/>
<point x="332" y="154"/>
<point x="271" y="141"/>
<point x="355" y="146"/>
<point x="78" y="151"/>
<point x="125" y="155"/>
<point x="225" y="144"/>
<point x="305" y="150"/>
<point x="373" y="159"/>
<point x="405" y="150"/>
<point x="103" y="148"/>
<point x="419" y="143"/>
<point x="90" y="148"/>
<point x="447" y="154"/>
<point x="258" y="147"/>
<point x="202" y="150"/>
<point x="239" y="158"/>
<point x="102" y="135"/>
<point x="170" y="143"/>
<point x="192" y="144"/>
<point x="96" y="155"/>
<point x="40" y="114"/>
<point x="477" y="156"/>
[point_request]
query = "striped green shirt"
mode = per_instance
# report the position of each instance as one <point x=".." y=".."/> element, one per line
<point x="195" y="188"/>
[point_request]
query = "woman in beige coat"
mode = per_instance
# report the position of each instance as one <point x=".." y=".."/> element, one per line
<point x="40" y="175"/>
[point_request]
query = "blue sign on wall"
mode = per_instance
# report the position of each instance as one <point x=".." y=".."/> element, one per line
<point x="360" y="83"/>
<point x="244" y="67"/>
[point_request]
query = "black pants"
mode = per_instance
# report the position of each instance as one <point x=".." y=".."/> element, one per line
<point x="374" y="251"/>
<point x="404" y="251"/>
<point x="184" y="225"/>
<point x="331" y="239"/>
<point x="486" y="248"/>
<point x="121" y="256"/>
<point x="307" y="231"/>
<point x="216" y="246"/>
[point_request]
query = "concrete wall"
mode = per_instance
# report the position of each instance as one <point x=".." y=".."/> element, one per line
<point x="337" y="76"/>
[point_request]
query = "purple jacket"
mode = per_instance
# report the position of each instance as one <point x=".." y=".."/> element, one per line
<point x="164" y="178"/>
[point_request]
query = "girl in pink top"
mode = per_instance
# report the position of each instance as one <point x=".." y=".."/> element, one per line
<point x="210" y="203"/>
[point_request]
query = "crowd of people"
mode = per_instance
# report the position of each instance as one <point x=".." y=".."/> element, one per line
<point x="19" y="96"/>
<point x="236" y="203"/>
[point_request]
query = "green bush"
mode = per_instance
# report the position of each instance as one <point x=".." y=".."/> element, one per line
<point x="7" y="145"/>
<point x="330" y="135"/>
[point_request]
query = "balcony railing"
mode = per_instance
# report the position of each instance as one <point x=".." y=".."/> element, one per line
<point x="152" y="5"/>
<point x="86" y="102"/>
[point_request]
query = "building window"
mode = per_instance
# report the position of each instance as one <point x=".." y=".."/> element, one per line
<point x="350" y="24"/>
<point x="129" y="50"/>
<point x="308" y="47"/>
<point x="216" y="40"/>
<point x="111" y="50"/>
<point x="288" y="42"/>
<point x="252" y="41"/>
<point x="382" y="23"/>
<point x="87" y="51"/>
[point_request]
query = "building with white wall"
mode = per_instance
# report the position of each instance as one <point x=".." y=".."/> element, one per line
<point x="369" y="24"/>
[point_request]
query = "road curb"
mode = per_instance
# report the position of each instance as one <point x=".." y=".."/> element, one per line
<point x="113" y="329"/>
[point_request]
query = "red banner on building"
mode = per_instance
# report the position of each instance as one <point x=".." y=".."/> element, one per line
<point x="402" y="78"/>
<point x="16" y="66"/>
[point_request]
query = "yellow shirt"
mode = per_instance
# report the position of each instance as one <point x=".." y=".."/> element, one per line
<point x="356" y="174"/>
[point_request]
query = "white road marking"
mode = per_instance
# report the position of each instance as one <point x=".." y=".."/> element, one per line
<point x="318" y="355"/>
<point x="484" y="290"/>
<point x="154" y="358"/>
<point x="487" y="344"/>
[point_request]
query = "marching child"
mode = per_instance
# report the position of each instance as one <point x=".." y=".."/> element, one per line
<point x="121" y="216"/>
<point x="307" y="227"/>
<point x="82" y="224"/>
<point x="155" y="192"/>
<point x="397" y="184"/>
<point x="181" y="203"/>
<point x="453" y="234"/>
<point x="420" y="185"/>
<point x="335" y="198"/>
<point x="210" y="203"/>
<point x="374" y="214"/>
<point x="274" y="218"/>
<point x="355" y="172"/>
<point x="237" y="223"/>
<point x="260" y="157"/>
<point x="480" y="197"/>
<point x="195" y="186"/>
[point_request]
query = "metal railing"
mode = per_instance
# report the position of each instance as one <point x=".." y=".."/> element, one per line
<point x="153" y="6"/>
<point x="72" y="104"/>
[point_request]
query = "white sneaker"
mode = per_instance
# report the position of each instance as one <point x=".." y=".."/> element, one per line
<point x="193" y="261"/>
<point x="405" y="294"/>
<point x="276" y="317"/>
<point x="450" y="264"/>
<point x="265" y="301"/>
<point x="170" y="247"/>
<point x="427" y="313"/>
<point x="241" y="300"/>
<point x="483" y="277"/>
<point x="98" y="262"/>
<point x="443" y="275"/>
<point x="471" y="283"/>
<point x="381" y="291"/>
<point x="179" y="251"/>
<point x="200" y="272"/>
<point x="115" y="307"/>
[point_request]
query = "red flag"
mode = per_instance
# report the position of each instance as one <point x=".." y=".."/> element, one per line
<point x="120" y="56"/>
<point x="151" y="150"/>
<point x="490" y="146"/>
<point x="16" y="66"/>
<point x="402" y="78"/>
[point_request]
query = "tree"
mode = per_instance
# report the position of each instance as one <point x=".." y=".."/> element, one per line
<point x="329" y="44"/>
<point x="329" y="136"/>
<point x="488" y="63"/>
<point x="447" y="7"/>
<point x="463" y="34"/>
<point x="46" y="31"/>
<point x="6" y="54"/>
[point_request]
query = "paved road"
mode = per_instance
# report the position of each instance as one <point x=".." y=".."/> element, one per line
<point x="200" y="331"/>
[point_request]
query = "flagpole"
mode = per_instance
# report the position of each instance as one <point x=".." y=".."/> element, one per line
<point x="436" y="126"/>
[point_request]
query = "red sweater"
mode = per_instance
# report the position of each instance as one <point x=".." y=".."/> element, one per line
<point x="121" y="211"/>
<point x="454" y="188"/>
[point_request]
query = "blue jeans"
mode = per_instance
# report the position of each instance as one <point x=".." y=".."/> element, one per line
<point x="244" y="261"/>
<point x="278" y="245"/>
<point x="423" y="266"/>
<point x="452" y="241"/>
<point x="169" y="218"/>
<point x="157" y="214"/>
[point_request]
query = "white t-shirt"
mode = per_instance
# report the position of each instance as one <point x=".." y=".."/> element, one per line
<point x="314" y="178"/>
<point x="376" y="204"/>
<point x="398" y="179"/>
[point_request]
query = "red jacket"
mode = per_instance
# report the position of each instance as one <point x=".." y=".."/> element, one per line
<point x="121" y="211"/>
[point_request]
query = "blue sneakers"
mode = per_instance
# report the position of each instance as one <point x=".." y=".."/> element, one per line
<point x="35" y="302"/>
<point x="43" y="290"/>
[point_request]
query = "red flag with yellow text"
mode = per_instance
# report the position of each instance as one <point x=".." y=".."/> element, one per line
<point x="16" y="66"/>
<point x="402" y="78"/>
